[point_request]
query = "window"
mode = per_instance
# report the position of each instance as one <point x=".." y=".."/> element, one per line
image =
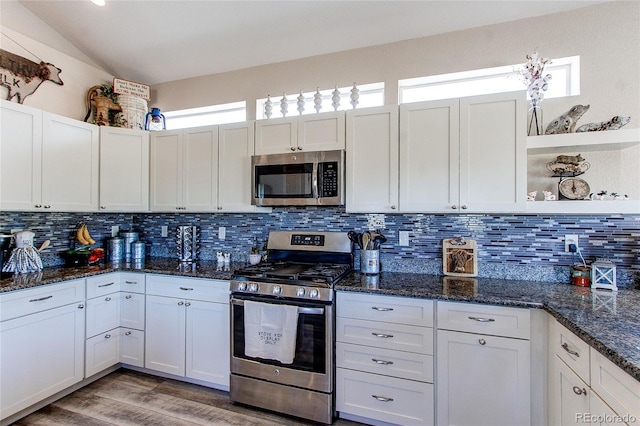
<point x="370" y="95"/>
<point x="206" y="116"/>
<point x="565" y="81"/>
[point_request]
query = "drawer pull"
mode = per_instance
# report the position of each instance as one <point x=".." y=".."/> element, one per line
<point x="384" y="336"/>
<point x="187" y="304"/>
<point x="579" y="391"/>
<point x="565" y="346"/>
<point x="106" y="285"/>
<point x="482" y="342"/>
<point x="382" y="398"/>
<point x="128" y="333"/>
<point x="180" y="303"/>
<point x="81" y="306"/>
<point x="480" y="319"/>
<point x="107" y="299"/>
<point x="186" y="288"/>
<point x="128" y="296"/>
<point x="131" y="282"/>
<point x="381" y="309"/>
<point x="40" y="299"/>
<point x="107" y="336"/>
<point x="381" y="361"/>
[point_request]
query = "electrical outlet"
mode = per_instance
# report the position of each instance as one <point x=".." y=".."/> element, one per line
<point x="403" y="238"/>
<point x="568" y="241"/>
<point x="114" y="230"/>
<point x="164" y="231"/>
<point x="222" y="233"/>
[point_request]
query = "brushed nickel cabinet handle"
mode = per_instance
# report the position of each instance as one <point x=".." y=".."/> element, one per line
<point x="382" y="398"/>
<point x="381" y="361"/>
<point x="186" y="288"/>
<point x="40" y="299"/>
<point x="106" y="285"/>
<point x="482" y="342"/>
<point x="565" y="346"/>
<point x="107" y="336"/>
<point x="381" y="309"/>
<point x="383" y="336"/>
<point x="128" y="296"/>
<point x="579" y="391"/>
<point x="479" y="319"/>
<point x="128" y="333"/>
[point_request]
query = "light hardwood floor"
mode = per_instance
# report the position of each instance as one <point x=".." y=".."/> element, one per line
<point x="127" y="397"/>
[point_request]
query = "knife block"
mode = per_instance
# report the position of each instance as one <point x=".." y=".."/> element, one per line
<point x="459" y="257"/>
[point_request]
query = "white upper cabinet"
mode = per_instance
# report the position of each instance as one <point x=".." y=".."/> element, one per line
<point x="49" y="162"/>
<point x="372" y="160"/>
<point x="464" y="155"/>
<point x="124" y="170"/>
<point x="315" y="132"/>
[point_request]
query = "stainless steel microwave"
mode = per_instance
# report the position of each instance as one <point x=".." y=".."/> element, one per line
<point x="314" y="178"/>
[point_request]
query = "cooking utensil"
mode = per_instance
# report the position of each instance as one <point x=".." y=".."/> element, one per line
<point x="366" y="237"/>
<point x="44" y="245"/>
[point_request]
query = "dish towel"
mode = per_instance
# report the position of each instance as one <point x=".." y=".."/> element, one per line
<point x="270" y="331"/>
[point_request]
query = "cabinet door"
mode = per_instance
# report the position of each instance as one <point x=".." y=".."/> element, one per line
<point x="103" y="314"/>
<point x="200" y="169"/>
<point x="429" y="153"/>
<point x="166" y="171"/>
<point x="132" y="310"/>
<point x="372" y="160"/>
<point x="207" y="341"/>
<point x="165" y="335"/>
<point x="493" y="167"/>
<point x="102" y="352"/>
<point x="322" y="132"/>
<point x="482" y="380"/>
<point x="42" y="354"/>
<point x="70" y="164"/>
<point x="132" y="347"/>
<point x="234" y="170"/>
<point x="568" y="395"/>
<point x="20" y="157"/>
<point x="124" y="170"/>
<point x="276" y="136"/>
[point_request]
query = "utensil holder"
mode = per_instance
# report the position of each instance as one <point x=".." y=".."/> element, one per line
<point x="370" y="261"/>
<point x="187" y="244"/>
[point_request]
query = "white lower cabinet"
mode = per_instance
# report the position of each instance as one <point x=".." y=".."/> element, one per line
<point x="114" y="321"/>
<point x="482" y="379"/>
<point x="187" y="328"/>
<point x="384" y="359"/>
<point x="42" y="344"/>
<point x="585" y="387"/>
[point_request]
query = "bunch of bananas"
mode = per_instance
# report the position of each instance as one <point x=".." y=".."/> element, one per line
<point x="83" y="236"/>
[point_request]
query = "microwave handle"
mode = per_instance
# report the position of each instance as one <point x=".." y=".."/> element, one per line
<point x="315" y="180"/>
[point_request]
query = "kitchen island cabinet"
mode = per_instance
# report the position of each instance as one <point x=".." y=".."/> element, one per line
<point x="314" y="132"/>
<point x="187" y="328"/>
<point x="464" y="155"/>
<point x="49" y="162"/>
<point x="42" y="343"/>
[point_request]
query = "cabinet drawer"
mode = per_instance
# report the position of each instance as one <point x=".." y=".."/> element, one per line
<point x="103" y="313"/>
<point x="385" y="335"/>
<point x="484" y="319"/>
<point x="399" y="310"/>
<point x="615" y="387"/>
<point x="404" y="365"/>
<point x="188" y="288"/>
<point x="23" y="302"/>
<point x="387" y="399"/>
<point x="571" y="349"/>
<point x="100" y="285"/>
<point x="132" y="282"/>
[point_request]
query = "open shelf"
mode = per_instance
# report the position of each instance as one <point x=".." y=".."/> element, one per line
<point x="586" y="141"/>
<point x="584" y="207"/>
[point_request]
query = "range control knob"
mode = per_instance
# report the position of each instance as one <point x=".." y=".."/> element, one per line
<point x="277" y="289"/>
<point x="314" y="293"/>
<point x="300" y="291"/>
<point x="242" y="286"/>
<point x="253" y="287"/>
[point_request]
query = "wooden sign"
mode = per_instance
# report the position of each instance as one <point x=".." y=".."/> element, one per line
<point x="22" y="77"/>
<point x="125" y="87"/>
<point x="460" y="257"/>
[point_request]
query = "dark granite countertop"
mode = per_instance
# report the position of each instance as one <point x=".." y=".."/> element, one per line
<point x="608" y="321"/>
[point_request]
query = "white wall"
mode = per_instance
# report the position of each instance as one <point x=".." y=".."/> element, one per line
<point x="605" y="36"/>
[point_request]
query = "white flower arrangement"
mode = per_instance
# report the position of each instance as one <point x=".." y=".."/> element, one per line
<point x="531" y="74"/>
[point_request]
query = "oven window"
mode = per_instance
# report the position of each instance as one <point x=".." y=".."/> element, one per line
<point x="284" y="181"/>
<point x="310" y="352"/>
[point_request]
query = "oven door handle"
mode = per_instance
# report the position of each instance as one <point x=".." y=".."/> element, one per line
<point x="301" y="310"/>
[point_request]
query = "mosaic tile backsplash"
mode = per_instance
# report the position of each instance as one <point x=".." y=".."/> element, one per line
<point x="529" y="247"/>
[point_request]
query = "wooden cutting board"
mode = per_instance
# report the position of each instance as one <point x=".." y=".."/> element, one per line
<point x="460" y="257"/>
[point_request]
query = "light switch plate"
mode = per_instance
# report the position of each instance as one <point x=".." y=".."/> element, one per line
<point x="403" y="238"/>
<point x="164" y="231"/>
<point x="114" y="230"/>
<point x="222" y="233"/>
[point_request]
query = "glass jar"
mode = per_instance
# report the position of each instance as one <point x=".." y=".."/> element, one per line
<point x="581" y="275"/>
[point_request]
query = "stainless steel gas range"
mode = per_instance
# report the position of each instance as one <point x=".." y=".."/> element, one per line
<point x="282" y="324"/>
